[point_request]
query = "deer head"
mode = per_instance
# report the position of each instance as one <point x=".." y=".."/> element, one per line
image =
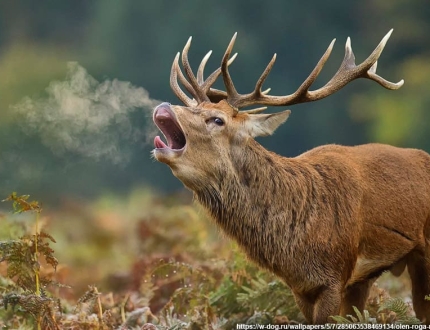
<point x="210" y="129"/>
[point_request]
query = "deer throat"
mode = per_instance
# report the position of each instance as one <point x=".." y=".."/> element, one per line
<point x="242" y="204"/>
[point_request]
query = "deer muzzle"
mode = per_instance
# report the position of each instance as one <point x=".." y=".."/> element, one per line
<point x="166" y="121"/>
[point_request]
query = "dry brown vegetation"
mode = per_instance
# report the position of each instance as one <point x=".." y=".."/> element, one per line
<point x="143" y="262"/>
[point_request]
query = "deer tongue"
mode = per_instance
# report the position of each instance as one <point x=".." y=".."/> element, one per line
<point x="158" y="143"/>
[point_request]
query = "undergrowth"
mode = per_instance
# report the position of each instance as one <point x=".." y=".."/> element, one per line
<point x="181" y="276"/>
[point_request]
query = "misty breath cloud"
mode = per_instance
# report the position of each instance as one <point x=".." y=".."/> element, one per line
<point x="82" y="116"/>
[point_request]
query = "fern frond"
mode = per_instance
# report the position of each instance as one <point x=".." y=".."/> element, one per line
<point x="362" y="318"/>
<point x="341" y="320"/>
<point x="401" y="310"/>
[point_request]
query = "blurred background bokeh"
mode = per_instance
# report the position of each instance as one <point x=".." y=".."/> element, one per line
<point x="136" y="41"/>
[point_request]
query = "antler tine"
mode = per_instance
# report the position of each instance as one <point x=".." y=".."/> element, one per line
<point x="205" y="84"/>
<point x="202" y="65"/>
<point x="198" y="87"/>
<point x="253" y="111"/>
<point x="266" y="91"/>
<point x="198" y="94"/>
<point x="264" y="75"/>
<point x="231" y="90"/>
<point x="174" y="83"/>
<point x="349" y="71"/>
<point x="257" y="97"/>
<point x="304" y="87"/>
<point x="215" y="95"/>
<point x="214" y="76"/>
<point x="373" y="58"/>
<point x="385" y="83"/>
<point x="184" y="81"/>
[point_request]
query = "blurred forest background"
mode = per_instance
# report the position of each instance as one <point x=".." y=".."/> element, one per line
<point x="136" y="41"/>
<point x="109" y="210"/>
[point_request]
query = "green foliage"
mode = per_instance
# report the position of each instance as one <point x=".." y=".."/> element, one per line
<point x="247" y="293"/>
<point x="218" y="294"/>
<point x="401" y="310"/>
<point x="361" y="317"/>
<point x="391" y="310"/>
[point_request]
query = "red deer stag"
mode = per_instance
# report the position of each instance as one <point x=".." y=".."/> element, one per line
<point x="327" y="222"/>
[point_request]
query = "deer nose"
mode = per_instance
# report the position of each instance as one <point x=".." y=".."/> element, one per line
<point x="163" y="106"/>
<point x="163" y="111"/>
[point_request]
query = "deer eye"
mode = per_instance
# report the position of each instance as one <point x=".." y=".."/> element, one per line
<point x="218" y="121"/>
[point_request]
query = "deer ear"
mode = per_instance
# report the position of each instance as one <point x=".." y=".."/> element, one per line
<point x="265" y="124"/>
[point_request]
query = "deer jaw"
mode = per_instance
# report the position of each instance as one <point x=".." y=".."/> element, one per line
<point x="200" y="139"/>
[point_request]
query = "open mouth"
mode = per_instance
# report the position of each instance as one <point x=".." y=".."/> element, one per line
<point x="165" y="120"/>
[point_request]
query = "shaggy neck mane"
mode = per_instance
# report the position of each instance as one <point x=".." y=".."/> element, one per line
<point x="242" y="200"/>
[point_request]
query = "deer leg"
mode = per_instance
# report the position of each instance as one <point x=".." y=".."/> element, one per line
<point x="305" y="306"/>
<point x="327" y="304"/>
<point x="355" y="295"/>
<point x="419" y="271"/>
<point x="318" y="305"/>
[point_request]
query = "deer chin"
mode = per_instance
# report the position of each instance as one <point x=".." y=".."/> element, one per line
<point x="166" y="121"/>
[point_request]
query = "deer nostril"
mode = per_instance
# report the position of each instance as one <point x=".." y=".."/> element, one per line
<point x="164" y="105"/>
<point x="162" y="112"/>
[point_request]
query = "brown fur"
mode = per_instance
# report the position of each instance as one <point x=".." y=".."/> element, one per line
<point x="327" y="222"/>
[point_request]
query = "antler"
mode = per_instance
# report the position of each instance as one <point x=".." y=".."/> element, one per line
<point x="199" y="88"/>
<point x="347" y="72"/>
